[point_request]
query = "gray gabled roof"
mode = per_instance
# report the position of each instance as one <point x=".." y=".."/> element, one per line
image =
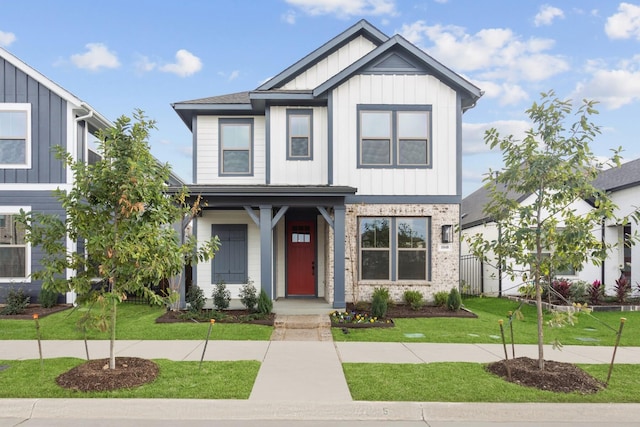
<point x="361" y="28"/>
<point x="610" y="180"/>
<point x="254" y="102"/>
<point x="470" y="93"/>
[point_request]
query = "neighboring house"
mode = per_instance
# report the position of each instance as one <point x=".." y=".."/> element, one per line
<point x="623" y="186"/>
<point x="35" y="115"/>
<point x="339" y="175"/>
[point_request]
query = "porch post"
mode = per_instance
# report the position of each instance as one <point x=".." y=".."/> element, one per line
<point x="265" y="249"/>
<point x="338" y="257"/>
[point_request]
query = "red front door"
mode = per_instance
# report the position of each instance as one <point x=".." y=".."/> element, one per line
<point x="301" y="258"/>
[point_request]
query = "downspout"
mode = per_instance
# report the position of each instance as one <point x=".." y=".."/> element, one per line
<point x="602" y="267"/>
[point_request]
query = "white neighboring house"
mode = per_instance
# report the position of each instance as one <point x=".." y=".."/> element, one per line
<point x="623" y="186"/>
<point x="340" y="174"/>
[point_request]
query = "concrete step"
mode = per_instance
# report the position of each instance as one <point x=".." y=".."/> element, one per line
<point x="302" y="328"/>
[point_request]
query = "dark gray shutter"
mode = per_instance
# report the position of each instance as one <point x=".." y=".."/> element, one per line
<point x="230" y="263"/>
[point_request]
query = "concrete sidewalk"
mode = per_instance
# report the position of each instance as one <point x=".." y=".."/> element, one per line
<point x="303" y="380"/>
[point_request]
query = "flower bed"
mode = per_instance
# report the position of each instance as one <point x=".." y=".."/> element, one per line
<point x="353" y="319"/>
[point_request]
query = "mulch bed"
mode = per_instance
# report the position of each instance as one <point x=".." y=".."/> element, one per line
<point x="398" y="311"/>
<point x="229" y="316"/>
<point x="556" y="377"/>
<point x="32" y="309"/>
<point x="95" y="375"/>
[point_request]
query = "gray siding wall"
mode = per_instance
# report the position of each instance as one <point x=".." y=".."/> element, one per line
<point x="48" y="126"/>
<point x="41" y="201"/>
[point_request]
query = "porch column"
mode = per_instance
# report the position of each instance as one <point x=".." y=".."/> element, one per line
<point x="338" y="258"/>
<point x="266" y="245"/>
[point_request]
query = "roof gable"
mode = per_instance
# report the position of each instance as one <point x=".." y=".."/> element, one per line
<point x="397" y="49"/>
<point x="95" y="119"/>
<point x="361" y="28"/>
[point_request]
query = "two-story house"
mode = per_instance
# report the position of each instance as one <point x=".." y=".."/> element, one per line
<point x="339" y="175"/>
<point x="35" y="115"/>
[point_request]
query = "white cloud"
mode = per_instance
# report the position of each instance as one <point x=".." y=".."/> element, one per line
<point x="494" y="53"/>
<point x="546" y="15"/>
<point x="234" y="75"/>
<point x="97" y="56"/>
<point x="186" y="64"/>
<point x="346" y="8"/>
<point x="143" y="64"/>
<point x="289" y="17"/>
<point x="6" y="38"/>
<point x="613" y="88"/>
<point x="505" y="93"/>
<point x="625" y="23"/>
<point x="473" y="134"/>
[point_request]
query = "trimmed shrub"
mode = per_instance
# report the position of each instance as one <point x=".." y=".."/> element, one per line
<point x="17" y="301"/>
<point x="595" y="293"/>
<point x="265" y="305"/>
<point x="623" y="289"/>
<point x="454" y="301"/>
<point x="440" y="298"/>
<point x="195" y="298"/>
<point x="249" y="296"/>
<point x="414" y="299"/>
<point x="379" y="305"/>
<point x="578" y="291"/>
<point x="48" y="298"/>
<point x="221" y="296"/>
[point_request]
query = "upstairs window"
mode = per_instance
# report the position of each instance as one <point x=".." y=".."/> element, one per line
<point x="236" y="147"/>
<point x="15" y="135"/>
<point x="299" y="134"/>
<point x="394" y="136"/>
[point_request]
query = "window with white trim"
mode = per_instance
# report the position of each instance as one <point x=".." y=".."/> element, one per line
<point x="299" y="134"/>
<point x="236" y="146"/>
<point x="394" y="136"/>
<point x="15" y="135"/>
<point x="394" y="248"/>
<point x="14" y="250"/>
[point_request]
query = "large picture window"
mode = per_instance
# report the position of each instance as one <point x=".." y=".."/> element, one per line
<point x="299" y="134"/>
<point x="15" y="135"/>
<point x="14" y="251"/>
<point x="236" y="146"/>
<point x="394" y="136"/>
<point x="394" y="248"/>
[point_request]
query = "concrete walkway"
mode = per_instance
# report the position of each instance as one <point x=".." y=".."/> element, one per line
<point x="303" y="381"/>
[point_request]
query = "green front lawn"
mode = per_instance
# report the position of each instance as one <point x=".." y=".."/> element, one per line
<point x="599" y="328"/>
<point x="469" y="382"/>
<point x="176" y="380"/>
<point x="135" y="322"/>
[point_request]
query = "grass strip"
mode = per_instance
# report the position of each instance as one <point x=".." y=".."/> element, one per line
<point x="135" y="322"/>
<point x="470" y="382"/>
<point x="589" y="330"/>
<point x="176" y="380"/>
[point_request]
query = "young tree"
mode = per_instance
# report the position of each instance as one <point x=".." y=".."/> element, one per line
<point x="120" y="209"/>
<point x="553" y="166"/>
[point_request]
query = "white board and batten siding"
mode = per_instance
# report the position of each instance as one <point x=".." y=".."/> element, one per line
<point x="208" y="152"/>
<point x="440" y="178"/>
<point x="331" y="65"/>
<point x="298" y="172"/>
<point x="203" y="233"/>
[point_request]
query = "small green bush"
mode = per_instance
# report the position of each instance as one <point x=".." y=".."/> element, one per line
<point x="221" y="296"/>
<point x="48" y="298"/>
<point x="440" y="298"/>
<point x="248" y="296"/>
<point x="414" y="299"/>
<point x="17" y="301"/>
<point x="265" y="305"/>
<point x="382" y="293"/>
<point x="379" y="304"/>
<point x="195" y="298"/>
<point x="454" y="301"/>
<point x="578" y="291"/>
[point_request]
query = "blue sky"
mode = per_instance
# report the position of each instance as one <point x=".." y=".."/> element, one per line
<point x="122" y="55"/>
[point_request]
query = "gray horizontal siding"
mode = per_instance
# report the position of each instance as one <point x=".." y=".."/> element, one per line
<point x="48" y="126"/>
<point x="41" y="201"/>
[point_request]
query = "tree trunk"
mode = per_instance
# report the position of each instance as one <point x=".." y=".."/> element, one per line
<point x="112" y="343"/>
